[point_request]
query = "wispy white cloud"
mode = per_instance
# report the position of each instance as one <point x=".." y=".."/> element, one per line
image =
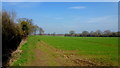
<point x="98" y="19"/>
<point x="77" y="7"/>
<point x="58" y="18"/>
<point x="103" y="19"/>
<point x="108" y="22"/>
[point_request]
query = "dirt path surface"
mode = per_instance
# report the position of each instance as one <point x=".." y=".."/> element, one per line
<point x="45" y="55"/>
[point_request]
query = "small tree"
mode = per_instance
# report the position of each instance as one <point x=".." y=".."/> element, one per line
<point x="26" y="26"/>
<point x="72" y="32"/>
<point x="107" y="32"/>
<point x="35" y="29"/>
<point x="98" y="32"/>
<point x="41" y="31"/>
<point x="85" y="33"/>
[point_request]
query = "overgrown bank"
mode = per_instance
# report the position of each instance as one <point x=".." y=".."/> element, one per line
<point x="13" y="31"/>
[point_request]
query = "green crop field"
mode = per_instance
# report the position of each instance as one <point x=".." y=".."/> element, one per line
<point x="101" y="50"/>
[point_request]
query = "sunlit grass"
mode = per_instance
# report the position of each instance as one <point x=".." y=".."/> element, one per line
<point x="98" y="49"/>
<point x="89" y="47"/>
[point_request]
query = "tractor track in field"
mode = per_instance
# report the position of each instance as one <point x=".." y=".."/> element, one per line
<point x="46" y="55"/>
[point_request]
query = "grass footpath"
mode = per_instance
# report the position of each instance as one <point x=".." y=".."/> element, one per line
<point x="28" y="54"/>
<point x="100" y="50"/>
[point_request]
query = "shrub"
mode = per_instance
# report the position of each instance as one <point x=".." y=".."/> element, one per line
<point x="11" y="36"/>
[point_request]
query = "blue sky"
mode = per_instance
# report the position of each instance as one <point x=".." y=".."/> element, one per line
<point x="60" y="0"/>
<point x="61" y="17"/>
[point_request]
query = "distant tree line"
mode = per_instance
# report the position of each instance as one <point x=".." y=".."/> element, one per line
<point x="97" y="33"/>
<point x="13" y="31"/>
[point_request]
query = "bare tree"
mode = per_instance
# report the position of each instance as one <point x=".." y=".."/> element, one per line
<point x="91" y="33"/>
<point x="98" y="32"/>
<point x="72" y="32"/>
<point x="85" y="33"/>
<point x="41" y="31"/>
<point x="35" y="29"/>
<point x="107" y="32"/>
